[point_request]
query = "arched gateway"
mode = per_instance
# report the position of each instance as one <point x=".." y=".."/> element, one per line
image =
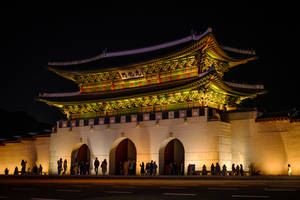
<point x="80" y="159"/>
<point x="171" y="157"/>
<point x="122" y="151"/>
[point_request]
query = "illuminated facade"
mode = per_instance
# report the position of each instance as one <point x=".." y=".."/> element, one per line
<point x="167" y="103"/>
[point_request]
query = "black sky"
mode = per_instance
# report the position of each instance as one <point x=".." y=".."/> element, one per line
<point x="33" y="36"/>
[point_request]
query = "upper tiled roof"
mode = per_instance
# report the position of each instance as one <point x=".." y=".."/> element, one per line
<point x="108" y="60"/>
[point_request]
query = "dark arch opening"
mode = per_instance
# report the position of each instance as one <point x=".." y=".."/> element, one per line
<point x="171" y="158"/>
<point x="80" y="160"/>
<point x="120" y="156"/>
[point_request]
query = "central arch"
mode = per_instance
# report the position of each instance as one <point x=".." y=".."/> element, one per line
<point x="80" y="160"/>
<point x="171" y="153"/>
<point x="122" y="151"/>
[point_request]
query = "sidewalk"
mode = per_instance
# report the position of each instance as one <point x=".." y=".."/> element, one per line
<point x="160" y="177"/>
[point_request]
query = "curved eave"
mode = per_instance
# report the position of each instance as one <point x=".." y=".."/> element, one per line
<point x="67" y="75"/>
<point x="219" y="86"/>
<point x="216" y="52"/>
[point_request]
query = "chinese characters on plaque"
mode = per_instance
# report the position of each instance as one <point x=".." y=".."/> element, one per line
<point x="132" y="73"/>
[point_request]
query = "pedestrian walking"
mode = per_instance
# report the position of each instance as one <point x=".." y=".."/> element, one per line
<point x="6" y="172"/>
<point x="151" y="167"/>
<point x="65" y="166"/>
<point x="130" y="167"/>
<point x="23" y="169"/>
<point x="16" y="172"/>
<point x="40" y="170"/>
<point x="237" y="170"/>
<point x="224" y="170"/>
<point x="218" y="169"/>
<point x="96" y="165"/>
<point x="241" y="170"/>
<point x="212" y="169"/>
<point x="148" y="168"/>
<point x="142" y="165"/>
<point x="204" y="172"/>
<point x="232" y="169"/>
<point x="104" y="167"/>
<point x="59" y="166"/>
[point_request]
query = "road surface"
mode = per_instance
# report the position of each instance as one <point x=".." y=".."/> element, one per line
<point x="54" y="188"/>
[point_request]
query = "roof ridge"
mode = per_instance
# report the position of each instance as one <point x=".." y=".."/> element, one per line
<point x="105" y="54"/>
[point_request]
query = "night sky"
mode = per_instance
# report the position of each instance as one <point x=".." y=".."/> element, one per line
<point x="32" y="37"/>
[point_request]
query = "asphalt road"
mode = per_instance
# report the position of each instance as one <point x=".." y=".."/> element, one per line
<point x="152" y="188"/>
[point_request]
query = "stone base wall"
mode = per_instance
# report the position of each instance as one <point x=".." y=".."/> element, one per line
<point x="270" y="145"/>
<point x="200" y="138"/>
<point x="35" y="152"/>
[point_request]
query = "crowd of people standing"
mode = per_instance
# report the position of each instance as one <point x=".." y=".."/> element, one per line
<point x="236" y="170"/>
<point x="129" y="168"/>
<point x="149" y="169"/>
<point x="34" y="171"/>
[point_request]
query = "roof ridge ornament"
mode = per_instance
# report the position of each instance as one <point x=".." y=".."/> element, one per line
<point x="106" y="54"/>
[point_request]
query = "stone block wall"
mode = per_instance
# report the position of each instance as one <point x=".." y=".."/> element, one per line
<point x="34" y="151"/>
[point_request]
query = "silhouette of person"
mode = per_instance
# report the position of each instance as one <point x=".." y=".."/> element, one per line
<point x="96" y="165"/>
<point x="224" y="170"/>
<point x="35" y="170"/>
<point x="23" y="164"/>
<point x="6" y="172"/>
<point x="58" y="167"/>
<point x="237" y="170"/>
<point x="16" y="172"/>
<point x="289" y="170"/>
<point x="142" y="165"/>
<point x="40" y="170"/>
<point x="218" y="169"/>
<point x="130" y="167"/>
<point x="86" y="168"/>
<point x="134" y="167"/>
<point x="65" y="166"/>
<point x="104" y="167"/>
<point x="241" y="170"/>
<point x="232" y="169"/>
<point x="154" y="168"/>
<point x="204" y="172"/>
<point x="151" y="167"/>
<point x="212" y="169"/>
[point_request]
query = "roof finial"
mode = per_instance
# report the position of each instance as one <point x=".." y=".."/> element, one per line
<point x="104" y="52"/>
<point x="192" y="31"/>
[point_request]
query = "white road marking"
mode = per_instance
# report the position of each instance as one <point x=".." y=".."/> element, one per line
<point x="280" y="189"/>
<point x="179" y="194"/>
<point x="124" y="186"/>
<point x="250" y="196"/>
<point x="118" y="192"/>
<point x="43" y="199"/>
<point x="67" y="190"/>
<point x="23" y="188"/>
<point x="220" y="188"/>
<point x="81" y="185"/>
<point x="175" y="188"/>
